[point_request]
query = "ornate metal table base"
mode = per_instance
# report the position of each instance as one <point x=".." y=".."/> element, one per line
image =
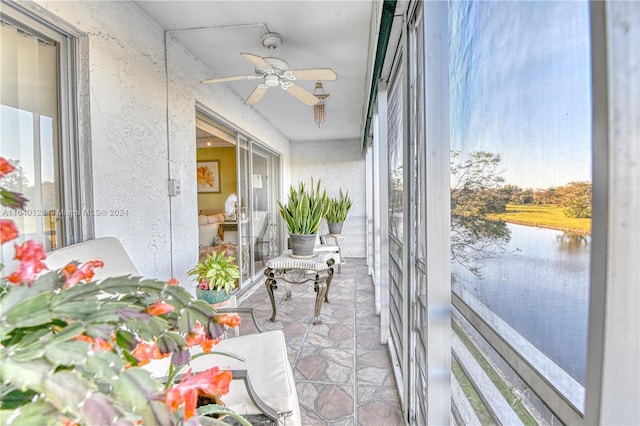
<point x="319" y="269"/>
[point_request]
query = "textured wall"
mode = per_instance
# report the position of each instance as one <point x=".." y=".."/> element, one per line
<point x="339" y="164"/>
<point x="133" y="104"/>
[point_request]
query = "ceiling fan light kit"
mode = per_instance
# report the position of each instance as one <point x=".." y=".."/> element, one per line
<point x="319" y="112"/>
<point x="275" y="72"/>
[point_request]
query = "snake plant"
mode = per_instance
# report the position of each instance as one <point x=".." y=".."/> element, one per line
<point x="338" y="208"/>
<point x="305" y="209"/>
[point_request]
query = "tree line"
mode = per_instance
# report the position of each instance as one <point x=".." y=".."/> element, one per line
<point x="574" y="197"/>
<point x="478" y="186"/>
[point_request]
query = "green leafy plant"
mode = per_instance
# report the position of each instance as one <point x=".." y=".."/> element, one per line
<point x="305" y="209"/>
<point x="72" y="350"/>
<point x="339" y="208"/>
<point x="216" y="272"/>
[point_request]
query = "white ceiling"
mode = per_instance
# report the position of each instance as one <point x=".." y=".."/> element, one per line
<point x="315" y="34"/>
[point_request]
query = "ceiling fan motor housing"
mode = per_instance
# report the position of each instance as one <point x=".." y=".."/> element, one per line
<point x="271" y="80"/>
<point x="278" y="65"/>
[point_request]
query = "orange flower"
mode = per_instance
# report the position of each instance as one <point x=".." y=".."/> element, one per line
<point x="99" y="344"/>
<point x="208" y="344"/>
<point x="173" y="281"/>
<point x="30" y="254"/>
<point x="228" y="320"/>
<point x="145" y="352"/>
<point x="197" y="335"/>
<point x="5" y="167"/>
<point x="68" y="422"/>
<point x="73" y="275"/>
<point x="8" y="230"/>
<point x="102" y="345"/>
<point x="160" y="308"/>
<point x="84" y="338"/>
<point x="212" y="382"/>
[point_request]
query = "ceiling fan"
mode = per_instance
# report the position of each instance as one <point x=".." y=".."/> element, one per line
<point x="275" y="72"/>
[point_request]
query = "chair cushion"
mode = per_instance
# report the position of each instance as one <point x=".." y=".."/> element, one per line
<point x="215" y="218"/>
<point x="108" y="249"/>
<point x="207" y="234"/>
<point x="265" y="359"/>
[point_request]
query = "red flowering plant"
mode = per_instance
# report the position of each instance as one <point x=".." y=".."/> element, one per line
<point x="72" y="349"/>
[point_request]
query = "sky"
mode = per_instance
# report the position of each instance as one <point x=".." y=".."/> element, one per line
<point x="520" y="87"/>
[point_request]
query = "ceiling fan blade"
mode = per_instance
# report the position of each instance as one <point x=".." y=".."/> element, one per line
<point x="300" y="93"/>
<point x="258" y="61"/>
<point x="257" y="95"/>
<point x="225" y="79"/>
<point x="314" y="74"/>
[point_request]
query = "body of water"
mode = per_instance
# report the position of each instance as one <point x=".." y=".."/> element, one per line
<point x="540" y="287"/>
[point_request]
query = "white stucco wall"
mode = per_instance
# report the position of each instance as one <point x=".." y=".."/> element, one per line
<point x="130" y="116"/>
<point x="339" y="164"/>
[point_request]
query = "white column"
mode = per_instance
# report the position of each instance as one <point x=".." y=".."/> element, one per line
<point x="620" y="391"/>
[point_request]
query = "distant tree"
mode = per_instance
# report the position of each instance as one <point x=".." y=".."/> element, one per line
<point x="575" y="199"/>
<point x="512" y="192"/>
<point x="545" y="196"/>
<point x="475" y="193"/>
<point x="526" y="196"/>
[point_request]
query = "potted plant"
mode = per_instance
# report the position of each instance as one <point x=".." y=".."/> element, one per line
<point x="337" y="212"/>
<point x="216" y="276"/>
<point x="72" y="349"/>
<point x="303" y="213"/>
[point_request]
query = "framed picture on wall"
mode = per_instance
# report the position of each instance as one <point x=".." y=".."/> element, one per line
<point x="208" y="176"/>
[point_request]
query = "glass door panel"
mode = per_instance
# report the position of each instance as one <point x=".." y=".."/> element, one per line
<point x="264" y="181"/>
<point x="30" y="137"/>
<point x="244" y="200"/>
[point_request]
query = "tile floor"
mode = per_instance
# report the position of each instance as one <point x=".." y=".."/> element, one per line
<point x="343" y="374"/>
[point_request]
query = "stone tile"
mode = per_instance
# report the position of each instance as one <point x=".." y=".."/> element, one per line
<point x="366" y="394"/>
<point x="307" y="395"/>
<point x="379" y="413"/>
<point x="368" y="338"/>
<point x="329" y="336"/>
<point x="340" y="363"/>
<point x="325" y="365"/>
<point x="334" y="402"/>
<point x="367" y="317"/>
<point x="374" y="358"/>
<point x="334" y="314"/>
<point x="373" y="375"/>
<point x="311" y="418"/>
<point x="311" y="367"/>
<point x="347" y="421"/>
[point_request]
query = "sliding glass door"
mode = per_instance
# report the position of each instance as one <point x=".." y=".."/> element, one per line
<point x="238" y="185"/>
<point x="258" y="188"/>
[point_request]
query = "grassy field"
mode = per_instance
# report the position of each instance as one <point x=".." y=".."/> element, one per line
<point x="544" y="216"/>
